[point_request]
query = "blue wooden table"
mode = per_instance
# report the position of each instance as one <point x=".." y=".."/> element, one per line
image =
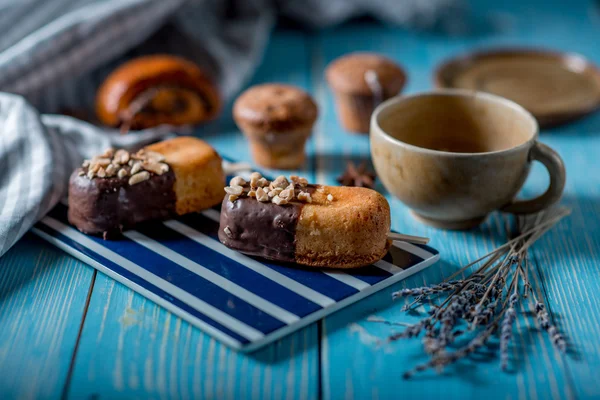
<point x="67" y="330"/>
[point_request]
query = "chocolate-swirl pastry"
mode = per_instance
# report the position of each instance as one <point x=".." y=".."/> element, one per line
<point x="117" y="189"/>
<point x="154" y="90"/>
<point x="313" y="225"/>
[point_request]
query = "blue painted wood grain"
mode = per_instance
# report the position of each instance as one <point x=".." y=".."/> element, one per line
<point x="130" y="348"/>
<point x="43" y="295"/>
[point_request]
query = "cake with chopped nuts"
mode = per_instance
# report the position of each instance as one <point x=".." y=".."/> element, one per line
<point x="118" y="189"/>
<point x="290" y="220"/>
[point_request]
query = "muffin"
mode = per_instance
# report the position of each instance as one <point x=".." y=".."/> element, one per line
<point x="155" y="90"/>
<point x="277" y="119"/>
<point x="360" y="81"/>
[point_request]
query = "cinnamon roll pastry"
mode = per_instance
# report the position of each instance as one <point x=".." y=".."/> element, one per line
<point x="155" y="90"/>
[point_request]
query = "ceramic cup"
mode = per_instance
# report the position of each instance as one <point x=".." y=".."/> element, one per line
<point x="454" y="156"/>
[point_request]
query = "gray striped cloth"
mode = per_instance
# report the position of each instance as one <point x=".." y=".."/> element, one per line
<point x="54" y="54"/>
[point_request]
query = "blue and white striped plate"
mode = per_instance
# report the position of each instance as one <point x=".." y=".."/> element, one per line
<point x="243" y="301"/>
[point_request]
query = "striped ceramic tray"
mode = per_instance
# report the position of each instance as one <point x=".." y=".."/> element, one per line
<point x="243" y="301"/>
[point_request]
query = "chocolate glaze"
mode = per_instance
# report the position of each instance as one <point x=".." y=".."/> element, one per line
<point x="108" y="205"/>
<point x="261" y="229"/>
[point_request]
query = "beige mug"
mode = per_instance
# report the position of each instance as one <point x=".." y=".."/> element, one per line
<point x="454" y="156"/>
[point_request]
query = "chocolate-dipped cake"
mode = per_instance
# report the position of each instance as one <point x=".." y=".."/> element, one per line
<point x="312" y="225"/>
<point x="117" y="189"/>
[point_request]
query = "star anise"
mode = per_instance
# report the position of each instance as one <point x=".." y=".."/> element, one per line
<point x="357" y="176"/>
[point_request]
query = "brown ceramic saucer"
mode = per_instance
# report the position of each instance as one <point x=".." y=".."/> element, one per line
<point x="555" y="87"/>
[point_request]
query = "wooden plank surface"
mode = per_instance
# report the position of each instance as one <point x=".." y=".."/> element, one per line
<point x="130" y="348"/>
<point x="43" y="294"/>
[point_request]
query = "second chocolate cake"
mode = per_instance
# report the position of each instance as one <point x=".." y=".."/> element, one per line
<point x="312" y="225"/>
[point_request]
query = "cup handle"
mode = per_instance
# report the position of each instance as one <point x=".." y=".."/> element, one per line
<point x="556" y="168"/>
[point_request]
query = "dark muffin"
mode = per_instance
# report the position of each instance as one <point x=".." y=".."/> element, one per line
<point x="360" y="81"/>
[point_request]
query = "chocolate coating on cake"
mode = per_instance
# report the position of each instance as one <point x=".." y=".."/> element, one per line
<point x="108" y="205"/>
<point x="261" y="229"/>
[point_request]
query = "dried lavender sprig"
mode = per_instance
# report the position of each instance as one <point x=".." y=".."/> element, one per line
<point x="543" y="319"/>
<point x="495" y="275"/>
<point x="510" y="316"/>
<point x="494" y="254"/>
<point x="483" y="314"/>
<point x="497" y="280"/>
<point x="444" y="359"/>
<point x="561" y="213"/>
<point x="473" y="280"/>
<point x="418" y="300"/>
<point x="411" y="330"/>
<point x="427" y="290"/>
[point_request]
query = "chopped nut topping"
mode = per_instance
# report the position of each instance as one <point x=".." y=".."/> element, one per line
<point x="262" y="182"/>
<point x="233" y="197"/>
<point x="305" y="196"/>
<point x="81" y="173"/>
<point x="234" y="190"/>
<point x="252" y="193"/>
<point x="157" y="167"/>
<point x="280" y="182"/>
<point x="287" y="195"/>
<point x="140" y="155"/>
<point x="228" y="232"/>
<point x="261" y="195"/>
<point x="279" y="201"/>
<point x="139" y="177"/>
<point x="275" y="192"/>
<point x="298" y="180"/>
<point x="108" y="153"/>
<point x="254" y="178"/>
<point x="329" y="197"/>
<point x="237" y="181"/>
<point x="121" y="157"/>
<point x="101" y="161"/>
<point x="154" y="156"/>
<point x="94" y="167"/>
<point x="111" y="170"/>
<point x="291" y="187"/>
<point x="109" y="163"/>
<point x="137" y="167"/>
